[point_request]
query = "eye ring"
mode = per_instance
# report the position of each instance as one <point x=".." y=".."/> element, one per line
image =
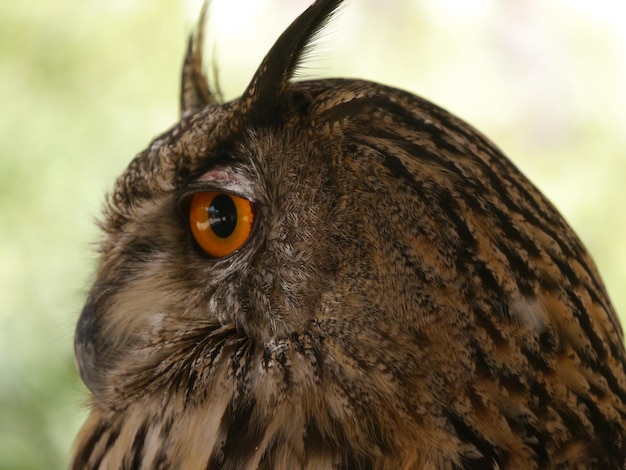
<point x="220" y="222"/>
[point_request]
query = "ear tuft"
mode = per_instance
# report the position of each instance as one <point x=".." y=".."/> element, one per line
<point x="196" y="92"/>
<point x="266" y="95"/>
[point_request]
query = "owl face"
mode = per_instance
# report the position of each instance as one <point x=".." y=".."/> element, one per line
<point x="269" y="284"/>
<point x="340" y="273"/>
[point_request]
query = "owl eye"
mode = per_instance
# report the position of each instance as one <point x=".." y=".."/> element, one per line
<point x="220" y="222"/>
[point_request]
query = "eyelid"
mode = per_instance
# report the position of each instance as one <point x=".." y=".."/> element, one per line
<point x="218" y="179"/>
<point x="225" y="179"/>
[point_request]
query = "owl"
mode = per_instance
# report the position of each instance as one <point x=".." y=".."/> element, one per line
<point x="336" y="274"/>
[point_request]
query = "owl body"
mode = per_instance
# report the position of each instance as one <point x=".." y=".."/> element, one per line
<point x="404" y="298"/>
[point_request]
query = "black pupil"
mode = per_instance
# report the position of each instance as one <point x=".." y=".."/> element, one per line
<point x="223" y="216"/>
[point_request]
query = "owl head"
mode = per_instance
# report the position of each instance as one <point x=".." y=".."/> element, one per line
<point x="339" y="272"/>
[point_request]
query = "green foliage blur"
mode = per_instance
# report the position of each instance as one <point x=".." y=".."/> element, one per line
<point x="85" y="85"/>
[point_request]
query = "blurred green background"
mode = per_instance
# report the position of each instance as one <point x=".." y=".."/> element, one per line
<point x="85" y="84"/>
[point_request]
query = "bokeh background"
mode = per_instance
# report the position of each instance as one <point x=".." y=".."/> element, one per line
<point x="85" y="84"/>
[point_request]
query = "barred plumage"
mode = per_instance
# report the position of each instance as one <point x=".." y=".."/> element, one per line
<point x="406" y="298"/>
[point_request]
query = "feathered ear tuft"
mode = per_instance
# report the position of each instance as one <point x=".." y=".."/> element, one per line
<point x="264" y="98"/>
<point x="196" y="92"/>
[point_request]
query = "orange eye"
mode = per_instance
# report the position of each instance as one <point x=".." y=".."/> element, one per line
<point x="220" y="222"/>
